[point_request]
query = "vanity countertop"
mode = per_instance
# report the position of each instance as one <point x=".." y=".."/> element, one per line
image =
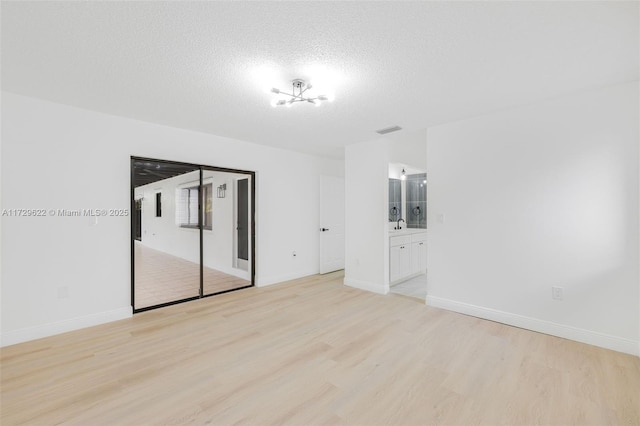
<point x="406" y="231"/>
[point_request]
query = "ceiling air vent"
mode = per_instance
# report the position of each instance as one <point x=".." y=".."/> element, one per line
<point x="389" y="130"/>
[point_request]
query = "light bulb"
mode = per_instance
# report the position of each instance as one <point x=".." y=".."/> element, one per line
<point x="274" y="90"/>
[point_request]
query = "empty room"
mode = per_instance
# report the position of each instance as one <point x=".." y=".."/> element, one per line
<point x="357" y="213"/>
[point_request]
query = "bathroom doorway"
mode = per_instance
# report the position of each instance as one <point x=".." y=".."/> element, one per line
<point x="407" y="230"/>
<point x="184" y="231"/>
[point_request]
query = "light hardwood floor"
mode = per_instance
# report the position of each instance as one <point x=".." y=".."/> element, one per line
<point x="162" y="278"/>
<point x="313" y="351"/>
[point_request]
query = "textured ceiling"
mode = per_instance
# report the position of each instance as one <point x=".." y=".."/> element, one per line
<point x="208" y="66"/>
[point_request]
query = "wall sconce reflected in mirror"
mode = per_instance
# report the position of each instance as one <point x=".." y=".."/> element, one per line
<point x="222" y="190"/>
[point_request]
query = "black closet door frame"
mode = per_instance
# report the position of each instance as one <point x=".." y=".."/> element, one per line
<point x="201" y="168"/>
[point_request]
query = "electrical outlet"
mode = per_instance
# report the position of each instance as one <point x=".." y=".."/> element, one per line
<point x="557" y="293"/>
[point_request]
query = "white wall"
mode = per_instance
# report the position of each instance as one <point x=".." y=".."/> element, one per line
<point x="366" y="199"/>
<point x="62" y="273"/>
<point x="540" y="196"/>
<point x="409" y="148"/>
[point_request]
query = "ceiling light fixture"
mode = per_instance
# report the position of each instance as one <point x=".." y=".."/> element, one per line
<point x="404" y="176"/>
<point x="299" y="88"/>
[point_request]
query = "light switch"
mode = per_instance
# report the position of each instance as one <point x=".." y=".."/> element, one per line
<point x="441" y="217"/>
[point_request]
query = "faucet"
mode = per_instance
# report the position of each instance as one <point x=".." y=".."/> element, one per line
<point x="398" y="226"/>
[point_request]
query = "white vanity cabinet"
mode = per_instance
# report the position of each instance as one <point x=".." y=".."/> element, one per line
<point x="407" y="256"/>
<point x="399" y="257"/>
<point x="419" y="253"/>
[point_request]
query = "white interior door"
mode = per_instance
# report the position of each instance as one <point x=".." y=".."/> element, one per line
<point x="331" y="224"/>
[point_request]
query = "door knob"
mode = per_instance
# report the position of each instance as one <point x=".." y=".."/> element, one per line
<point x="324" y="229"/>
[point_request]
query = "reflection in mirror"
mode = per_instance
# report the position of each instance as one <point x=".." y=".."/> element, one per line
<point x="407" y="196"/>
<point x="226" y="242"/>
<point x="166" y="248"/>
<point x="416" y="203"/>
<point x="395" y="200"/>
<point x="192" y="231"/>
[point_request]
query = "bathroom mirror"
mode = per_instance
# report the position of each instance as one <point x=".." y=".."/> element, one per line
<point x="407" y="196"/>
<point x="416" y="202"/>
<point x="395" y="200"/>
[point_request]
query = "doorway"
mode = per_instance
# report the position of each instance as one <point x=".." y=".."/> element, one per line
<point x="183" y="231"/>
<point x="331" y="224"/>
<point x="407" y="231"/>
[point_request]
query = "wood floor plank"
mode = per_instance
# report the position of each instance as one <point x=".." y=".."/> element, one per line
<point x="312" y="351"/>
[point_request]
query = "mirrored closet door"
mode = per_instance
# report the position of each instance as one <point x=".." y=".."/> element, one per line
<point x="226" y="241"/>
<point x="192" y="231"/>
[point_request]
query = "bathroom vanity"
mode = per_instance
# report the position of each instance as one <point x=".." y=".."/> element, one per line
<point x="407" y="254"/>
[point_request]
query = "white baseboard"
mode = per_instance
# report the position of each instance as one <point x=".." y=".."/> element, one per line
<point x="45" y="330"/>
<point x="547" y="327"/>
<point x="364" y="285"/>
<point x="263" y="282"/>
